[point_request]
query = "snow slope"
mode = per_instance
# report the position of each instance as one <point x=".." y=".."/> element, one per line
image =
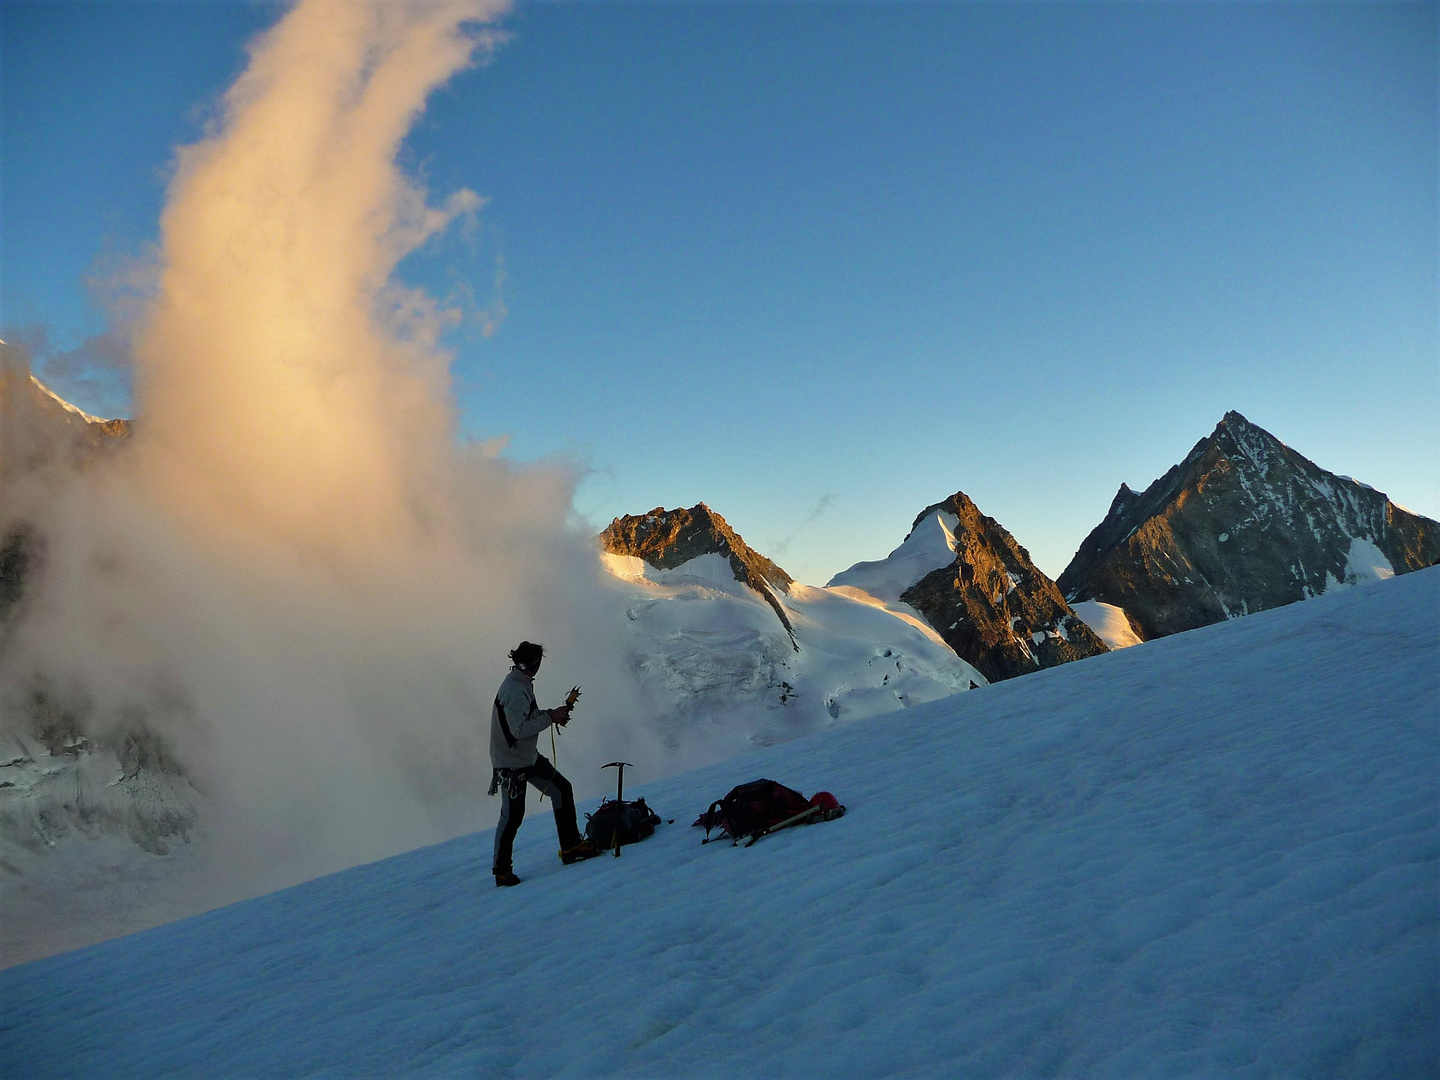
<point x="1108" y="621"/>
<point x="1365" y="562"/>
<point x="92" y="847"/>
<point x="929" y="547"/>
<point x="1213" y="856"/>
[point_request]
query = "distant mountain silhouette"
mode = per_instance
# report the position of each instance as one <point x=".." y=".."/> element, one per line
<point x="1243" y="524"/>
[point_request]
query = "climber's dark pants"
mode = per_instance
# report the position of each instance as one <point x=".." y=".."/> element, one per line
<point x="512" y="788"/>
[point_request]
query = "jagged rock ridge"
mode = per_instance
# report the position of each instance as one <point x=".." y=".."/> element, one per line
<point x="1243" y="524"/>
<point x="666" y="539"/>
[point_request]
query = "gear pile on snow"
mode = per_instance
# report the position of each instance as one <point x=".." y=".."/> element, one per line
<point x="617" y="822"/>
<point x="760" y="807"/>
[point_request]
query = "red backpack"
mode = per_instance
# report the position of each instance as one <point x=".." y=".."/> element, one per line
<point x="753" y="809"/>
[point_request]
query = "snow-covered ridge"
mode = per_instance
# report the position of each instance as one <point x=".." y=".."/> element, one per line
<point x="1114" y="868"/>
<point x="713" y="571"/>
<point x="929" y="547"/>
<point x="81" y="413"/>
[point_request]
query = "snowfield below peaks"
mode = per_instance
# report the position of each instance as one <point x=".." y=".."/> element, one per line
<point x="1365" y="562"/>
<point x="1107" y="620"/>
<point x="724" y="675"/>
<point x="930" y="546"/>
<point x="1213" y="856"/>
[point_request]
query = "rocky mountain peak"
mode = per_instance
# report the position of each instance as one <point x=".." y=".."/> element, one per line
<point x="1233" y="419"/>
<point x="979" y="590"/>
<point x="1243" y="523"/>
<point x="666" y="539"/>
<point x="1237" y="437"/>
<point x="669" y="538"/>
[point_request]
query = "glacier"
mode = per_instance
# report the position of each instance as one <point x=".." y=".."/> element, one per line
<point x="1213" y="855"/>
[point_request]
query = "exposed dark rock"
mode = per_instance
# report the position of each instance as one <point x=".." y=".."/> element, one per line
<point x="666" y="539"/>
<point x="1243" y="524"/>
<point x="993" y="606"/>
<point x="17" y="552"/>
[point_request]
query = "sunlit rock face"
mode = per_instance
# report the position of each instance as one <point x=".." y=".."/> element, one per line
<point x="666" y="539"/>
<point x="1244" y="523"/>
<point x="990" y="603"/>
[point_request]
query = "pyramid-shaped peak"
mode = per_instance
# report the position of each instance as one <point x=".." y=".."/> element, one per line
<point x="1123" y="498"/>
<point x="1243" y="524"/>
<point x="973" y="582"/>
<point x="1242" y="429"/>
<point x="1246" y="438"/>
<point x="1238" y="427"/>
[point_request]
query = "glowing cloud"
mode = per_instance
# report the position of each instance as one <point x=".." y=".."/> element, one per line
<point x="293" y="575"/>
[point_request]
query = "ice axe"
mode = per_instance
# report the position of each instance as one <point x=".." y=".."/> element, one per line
<point x="570" y="700"/>
<point x="619" y="767"/>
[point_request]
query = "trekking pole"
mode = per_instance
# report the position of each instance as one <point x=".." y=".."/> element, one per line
<point x="619" y="766"/>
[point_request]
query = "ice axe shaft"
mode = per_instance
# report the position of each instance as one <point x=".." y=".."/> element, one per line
<point x="795" y="820"/>
<point x="619" y="767"/>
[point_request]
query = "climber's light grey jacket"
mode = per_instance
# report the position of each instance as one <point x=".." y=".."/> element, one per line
<point x="515" y="710"/>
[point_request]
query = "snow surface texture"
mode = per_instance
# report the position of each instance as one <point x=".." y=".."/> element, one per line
<point x="725" y="676"/>
<point x="1216" y="855"/>
<point x="1108" y="621"/>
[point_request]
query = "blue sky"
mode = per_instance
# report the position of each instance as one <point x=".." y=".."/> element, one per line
<point x="819" y="265"/>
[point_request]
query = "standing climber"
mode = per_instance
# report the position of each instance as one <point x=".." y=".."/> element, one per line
<point x="515" y="724"/>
